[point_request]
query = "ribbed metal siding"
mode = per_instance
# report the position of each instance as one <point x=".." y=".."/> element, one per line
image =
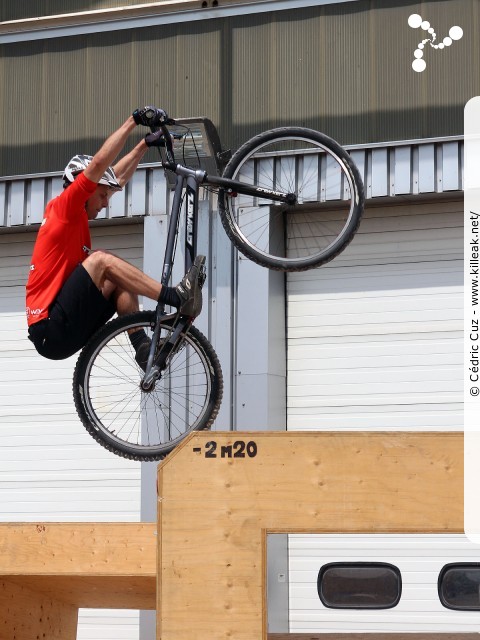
<point x="23" y="199"/>
<point x="417" y="167"/>
<point x="344" y="69"/>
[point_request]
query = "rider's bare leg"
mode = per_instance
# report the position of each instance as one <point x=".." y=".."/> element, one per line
<point x="103" y="266"/>
<point x="125" y="301"/>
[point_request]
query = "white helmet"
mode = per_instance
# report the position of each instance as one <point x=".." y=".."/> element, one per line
<point x="79" y="163"/>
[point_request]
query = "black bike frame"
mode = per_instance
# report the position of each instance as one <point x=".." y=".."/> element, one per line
<point x="188" y="181"/>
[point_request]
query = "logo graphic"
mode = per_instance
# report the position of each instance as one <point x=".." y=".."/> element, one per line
<point x="415" y="21"/>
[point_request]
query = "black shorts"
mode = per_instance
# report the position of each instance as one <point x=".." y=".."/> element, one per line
<point x="74" y="316"/>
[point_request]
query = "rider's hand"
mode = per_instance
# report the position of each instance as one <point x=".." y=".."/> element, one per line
<point x="155" y="139"/>
<point x="150" y="116"/>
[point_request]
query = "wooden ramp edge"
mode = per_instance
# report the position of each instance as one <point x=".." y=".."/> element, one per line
<point x="50" y="570"/>
<point x="220" y="494"/>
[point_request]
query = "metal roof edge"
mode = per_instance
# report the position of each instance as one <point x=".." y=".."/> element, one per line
<point x="138" y="16"/>
<point x="404" y="143"/>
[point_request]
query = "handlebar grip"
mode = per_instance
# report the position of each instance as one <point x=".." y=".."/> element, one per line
<point x="167" y="138"/>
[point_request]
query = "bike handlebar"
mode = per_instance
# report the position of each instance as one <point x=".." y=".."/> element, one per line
<point x="163" y="127"/>
<point x="168" y="142"/>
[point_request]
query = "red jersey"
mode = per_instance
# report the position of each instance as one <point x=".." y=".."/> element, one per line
<point x="62" y="243"/>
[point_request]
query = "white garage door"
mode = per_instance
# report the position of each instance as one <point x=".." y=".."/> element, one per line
<point x="375" y="337"/>
<point x="375" y="343"/>
<point x="50" y="468"/>
<point x="419" y="560"/>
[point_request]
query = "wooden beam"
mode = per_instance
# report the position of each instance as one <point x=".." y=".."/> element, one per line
<point x="221" y="493"/>
<point x="95" y="549"/>
<point x="96" y="565"/>
<point x="94" y="592"/>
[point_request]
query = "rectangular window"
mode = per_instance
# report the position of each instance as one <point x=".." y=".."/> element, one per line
<point x="359" y="585"/>
<point x="459" y="586"/>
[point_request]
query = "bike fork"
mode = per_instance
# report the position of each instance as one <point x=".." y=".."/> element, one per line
<point x="153" y="371"/>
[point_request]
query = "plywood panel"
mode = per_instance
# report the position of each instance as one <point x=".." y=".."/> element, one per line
<point x="94" y="592"/>
<point x="50" y="570"/>
<point x="26" y="615"/>
<point x="215" y="510"/>
<point x="96" y="549"/>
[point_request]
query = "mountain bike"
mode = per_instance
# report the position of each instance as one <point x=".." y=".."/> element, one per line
<point x="289" y="199"/>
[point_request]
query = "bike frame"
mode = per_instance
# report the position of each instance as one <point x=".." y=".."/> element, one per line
<point x="188" y="182"/>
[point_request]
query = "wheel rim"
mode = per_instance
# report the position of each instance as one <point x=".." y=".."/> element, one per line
<point x="314" y="228"/>
<point x="129" y="417"/>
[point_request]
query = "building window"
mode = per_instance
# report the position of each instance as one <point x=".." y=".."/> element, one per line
<point x="359" y="585"/>
<point x="459" y="586"/>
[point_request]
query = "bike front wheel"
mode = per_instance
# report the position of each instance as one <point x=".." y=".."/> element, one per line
<point x="329" y="199"/>
<point x="145" y="424"/>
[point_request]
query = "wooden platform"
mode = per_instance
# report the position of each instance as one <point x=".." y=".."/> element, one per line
<point x="48" y="571"/>
<point x="220" y="494"/>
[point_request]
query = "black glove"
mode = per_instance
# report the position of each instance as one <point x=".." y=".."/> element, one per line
<point x="155" y="139"/>
<point x="150" y="116"/>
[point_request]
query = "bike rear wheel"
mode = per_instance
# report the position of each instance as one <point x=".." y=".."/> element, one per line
<point x="329" y="199"/>
<point x="132" y="422"/>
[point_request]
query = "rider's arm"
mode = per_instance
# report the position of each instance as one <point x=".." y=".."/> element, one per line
<point x="125" y="167"/>
<point x="110" y="150"/>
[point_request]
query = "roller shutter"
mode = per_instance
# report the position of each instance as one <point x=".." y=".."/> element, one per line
<point x="51" y="469"/>
<point x="375" y="342"/>
<point x="375" y="337"/>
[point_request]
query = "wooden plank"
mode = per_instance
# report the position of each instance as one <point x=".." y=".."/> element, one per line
<point x="215" y="511"/>
<point x="94" y="592"/>
<point x="50" y="570"/>
<point x="27" y="615"/>
<point x="86" y="549"/>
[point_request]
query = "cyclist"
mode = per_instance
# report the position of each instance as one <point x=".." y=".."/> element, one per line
<point x="71" y="290"/>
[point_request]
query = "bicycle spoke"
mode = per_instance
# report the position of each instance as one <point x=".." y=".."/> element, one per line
<point x="328" y="199"/>
<point x="146" y="423"/>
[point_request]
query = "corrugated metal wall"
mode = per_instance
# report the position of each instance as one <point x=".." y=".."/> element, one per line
<point x="343" y="68"/>
<point x="414" y="168"/>
<point x="23" y="199"/>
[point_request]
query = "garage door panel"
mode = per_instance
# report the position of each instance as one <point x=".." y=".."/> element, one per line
<point x="388" y="279"/>
<point x="376" y="330"/>
<point x="404" y="244"/>
<point x="41" y="432"/>
<point x="326" y="357"/>
<point x="381" y="343"/>
<point x="380" y="316"/>
<point x="419" y="558"/>
<point x="441" y="417"/>
<point x="436" y="298"/>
